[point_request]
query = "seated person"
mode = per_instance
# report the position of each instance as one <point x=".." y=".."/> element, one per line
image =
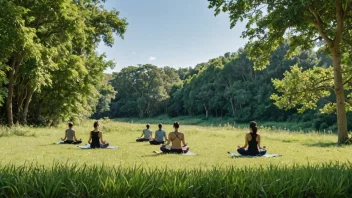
<point x="147" y="135"/>
<point x="96" y="138"/>
<point x="176" y="138"/>
<point x="159" y="136"/>
<point x="70" y="135"/>
<point x="252" y="140"/>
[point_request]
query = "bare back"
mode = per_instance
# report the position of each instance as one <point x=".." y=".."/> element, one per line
<point x="176" y="139"/>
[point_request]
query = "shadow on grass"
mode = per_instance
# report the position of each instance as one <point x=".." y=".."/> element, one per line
<point x="151" y="155"/>
<point x="50" y="144"/>
<point x="321" y="144"/>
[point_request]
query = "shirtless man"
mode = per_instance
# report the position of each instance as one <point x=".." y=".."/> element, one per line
<point x="176" y="138"/>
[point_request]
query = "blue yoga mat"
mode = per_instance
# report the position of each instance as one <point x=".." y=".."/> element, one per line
<point x="247" y="156"/>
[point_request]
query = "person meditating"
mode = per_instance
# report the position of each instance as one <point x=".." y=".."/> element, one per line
<point x="176" y="138"/>
<point x="70" y="135"/>
<point x="96" y="138"/>
<point x="147" y="135"/>
<point x="252" y="141"/>
<point x="159" y="136"/>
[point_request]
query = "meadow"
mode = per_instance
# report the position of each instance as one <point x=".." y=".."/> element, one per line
<point x="33" y="165"/>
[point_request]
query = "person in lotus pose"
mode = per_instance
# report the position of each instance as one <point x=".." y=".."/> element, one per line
<point x="252" y="142"/>
<point x="96" y="138"/>
<point x="147" y="135"/>
<point x="159" y="136"/>
<point x="176" y="138"/>
<point x="70" y="135"/>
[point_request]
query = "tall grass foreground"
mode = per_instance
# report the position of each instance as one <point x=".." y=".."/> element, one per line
<point x="64" y="180"/>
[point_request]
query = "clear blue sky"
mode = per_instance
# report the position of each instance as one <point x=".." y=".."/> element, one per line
<point x="177" y="33"/>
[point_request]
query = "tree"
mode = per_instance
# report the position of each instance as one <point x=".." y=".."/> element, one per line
<point x="140" y="91"/>
<point x="303" y="23"/>
<point x="41" y="42"/>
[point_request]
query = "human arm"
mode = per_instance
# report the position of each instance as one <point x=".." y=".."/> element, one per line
<point x="258" y="140"/>
<point x="101" y="137"/>
<point x="168" y="141"/>
<point x="63" y="139"/>
<point x="90" y="138"/>
<point x="74" y="135"/>
<point x="245" y="142"/>
<point x="142" y="134"/>
<point x="184" y="141"/>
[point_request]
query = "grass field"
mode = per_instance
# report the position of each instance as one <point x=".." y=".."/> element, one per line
<point x="33" y="166"/>
<point x="210" y="143"/>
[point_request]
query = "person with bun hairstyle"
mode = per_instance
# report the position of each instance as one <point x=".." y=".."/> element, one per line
<point x="176" y="138"/>
<point x="70" y="135"/>
<point x="147" y="133"/>
<point x="96" y="138"/>
<point x="159" y="136"/>
<point x="252" y="142"/>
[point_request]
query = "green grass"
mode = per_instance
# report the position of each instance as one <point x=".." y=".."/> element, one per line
<point x="32" y="166"/>
<point x="210" y="143"/>
<point x="327" y="180"/>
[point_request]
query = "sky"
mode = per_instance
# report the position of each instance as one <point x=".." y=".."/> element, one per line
<point x="176" y="33"/>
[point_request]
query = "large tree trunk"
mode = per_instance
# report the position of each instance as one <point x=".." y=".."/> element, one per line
<point x="10" y="88"/>
<point x="340" y="97"/>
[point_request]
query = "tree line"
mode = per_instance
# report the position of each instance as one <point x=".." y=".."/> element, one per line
<point x="224" y="86"/>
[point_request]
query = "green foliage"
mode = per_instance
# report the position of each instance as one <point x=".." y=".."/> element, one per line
<point x="302" y="23"/>
<point x="304" y="88"/>
<point x="142" y="90"/>
<point x="48" y="56"/>
<point x="229" y="88"/>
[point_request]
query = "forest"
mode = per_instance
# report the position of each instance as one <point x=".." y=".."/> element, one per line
<point x="226" y="86"/>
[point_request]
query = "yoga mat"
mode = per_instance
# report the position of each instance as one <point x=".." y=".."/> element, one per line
<point x="247" y="156"/>
<point x="189" y="153"/>
<point x="87" y="146"/>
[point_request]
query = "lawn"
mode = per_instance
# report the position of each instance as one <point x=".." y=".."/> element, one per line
<point x="36" y="145"/>
<point x="32" y="165"/>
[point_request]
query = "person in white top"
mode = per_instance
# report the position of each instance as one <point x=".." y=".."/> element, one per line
<point x="70" y="135"/>
<point x="147" y="133"/>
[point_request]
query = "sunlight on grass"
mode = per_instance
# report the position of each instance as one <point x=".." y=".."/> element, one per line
<point x="210" y="143"/>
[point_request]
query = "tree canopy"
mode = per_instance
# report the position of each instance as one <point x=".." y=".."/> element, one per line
<point x="49" y="68"/>
<point x="302" y="23"/>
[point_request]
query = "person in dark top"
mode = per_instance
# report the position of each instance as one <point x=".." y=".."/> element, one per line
<point x="96" y="138"/>
<point x="176" y="138"/>
<point x="252" y="141"/>
<point x="70" y="135"/>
